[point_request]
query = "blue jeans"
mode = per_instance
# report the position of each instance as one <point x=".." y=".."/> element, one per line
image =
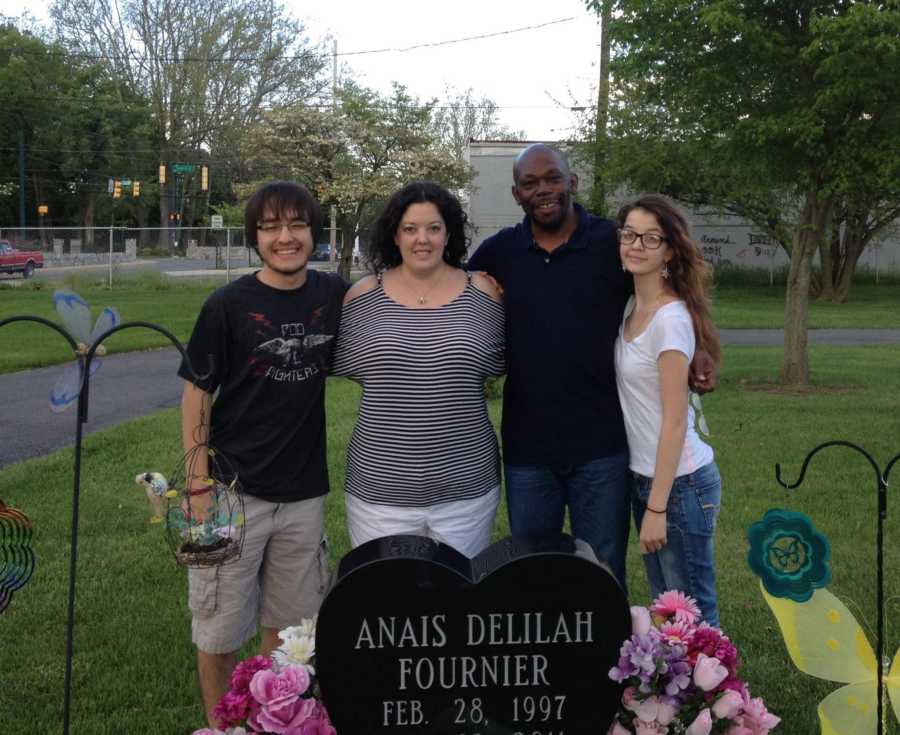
<point x="596" y="493"/>
<point x="687" y="560"/>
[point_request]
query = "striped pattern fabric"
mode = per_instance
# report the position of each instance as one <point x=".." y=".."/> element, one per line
<point x="423" y="435"/>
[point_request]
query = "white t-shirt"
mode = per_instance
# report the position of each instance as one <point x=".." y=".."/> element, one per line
<point x="637" y="378"/>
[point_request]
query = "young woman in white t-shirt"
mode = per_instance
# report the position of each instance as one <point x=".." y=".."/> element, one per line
<point x="677" y="488"/>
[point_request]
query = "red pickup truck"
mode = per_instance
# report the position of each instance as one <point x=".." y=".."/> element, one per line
<point x="19" y="261"/>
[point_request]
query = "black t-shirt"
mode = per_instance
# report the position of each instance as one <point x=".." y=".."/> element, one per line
<point x="271" y="350"/>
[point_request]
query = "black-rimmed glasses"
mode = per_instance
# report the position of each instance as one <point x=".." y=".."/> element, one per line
<point x="649" y="240"/>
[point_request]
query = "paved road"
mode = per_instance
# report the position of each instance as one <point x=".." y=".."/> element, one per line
<point x="138" y="383"/>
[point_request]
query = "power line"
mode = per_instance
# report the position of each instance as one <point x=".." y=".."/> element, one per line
<point x="288" y="57"/>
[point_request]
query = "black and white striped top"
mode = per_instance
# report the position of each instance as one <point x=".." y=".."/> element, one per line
<point x="423" y="435"/>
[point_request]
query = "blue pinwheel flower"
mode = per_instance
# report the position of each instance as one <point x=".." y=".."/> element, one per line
<point x="788" y="553"/>
<point x="76" y="316"/>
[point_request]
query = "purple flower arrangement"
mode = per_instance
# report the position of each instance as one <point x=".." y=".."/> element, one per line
<point x="680" y="676"/>
<point x="275" y="695"/>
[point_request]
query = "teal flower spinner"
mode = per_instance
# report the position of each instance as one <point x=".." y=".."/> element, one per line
<point x="789" y="555"/>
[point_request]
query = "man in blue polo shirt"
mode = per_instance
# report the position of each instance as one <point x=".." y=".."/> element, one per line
<point x="562" y="429"/>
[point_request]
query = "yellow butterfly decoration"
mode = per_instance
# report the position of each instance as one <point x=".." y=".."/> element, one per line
<point x="822" y="636"/>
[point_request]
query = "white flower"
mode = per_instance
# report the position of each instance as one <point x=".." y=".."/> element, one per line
<point x="296" y="650"/>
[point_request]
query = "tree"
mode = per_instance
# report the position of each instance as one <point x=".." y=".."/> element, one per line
<point x="462" y="117"/>
<point x="207" y="68"/>
<point x="601" y="152"/>
<point x="354" y="156"/>
<point x="773" y="111"/>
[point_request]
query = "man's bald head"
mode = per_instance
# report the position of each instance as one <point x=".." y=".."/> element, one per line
<point x="541" y="149"/>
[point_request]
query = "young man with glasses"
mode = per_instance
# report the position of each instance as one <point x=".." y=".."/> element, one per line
<point x="562" y="429"/>
<point x="265" y="341"/>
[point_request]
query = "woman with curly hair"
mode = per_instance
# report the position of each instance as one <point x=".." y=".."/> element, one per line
<point x="421" y="336"/>
<point x="677" y="488"/>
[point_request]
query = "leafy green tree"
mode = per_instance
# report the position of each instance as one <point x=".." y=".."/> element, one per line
<point x="778" y="112"/>
<point x="355" y="155"/>
<point x="208" y="68"/>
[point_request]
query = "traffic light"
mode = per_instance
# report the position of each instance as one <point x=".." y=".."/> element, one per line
<point x="204" y="178"/>
<point x="136" y="189"/>
<point x="117" y="189"/>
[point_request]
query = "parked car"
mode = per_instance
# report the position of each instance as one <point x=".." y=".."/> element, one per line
<point x="19" y="261"/>
<point x="321" y="252"/>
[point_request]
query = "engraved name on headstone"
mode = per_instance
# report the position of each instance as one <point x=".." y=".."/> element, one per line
<point x="415" y="638"/>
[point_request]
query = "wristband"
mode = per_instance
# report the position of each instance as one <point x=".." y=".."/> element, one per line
<point x="654" y="510"/>
<point x="201" y="491"/>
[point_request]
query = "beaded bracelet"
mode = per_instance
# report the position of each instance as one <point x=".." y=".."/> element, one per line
<point x="201" y="491"/>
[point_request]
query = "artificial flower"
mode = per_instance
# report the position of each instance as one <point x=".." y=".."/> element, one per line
<point x="702" y="724"/>
<point x="640" y="620"/>
<point x="728" y="705"/>
<point x="676" y="604"/>
<point x="709" y="672"/>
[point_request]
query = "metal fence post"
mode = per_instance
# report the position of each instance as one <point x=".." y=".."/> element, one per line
<point x="228" y="255"/>
<point x="110" y="255"/>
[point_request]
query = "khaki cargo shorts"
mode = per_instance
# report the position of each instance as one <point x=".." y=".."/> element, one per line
<point x="281" y="577"/>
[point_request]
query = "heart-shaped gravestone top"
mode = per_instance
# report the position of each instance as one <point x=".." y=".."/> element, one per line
<point x="416" y="638"/>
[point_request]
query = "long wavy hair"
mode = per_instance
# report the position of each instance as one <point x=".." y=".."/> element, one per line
<point x="383" y="251"/>
<point x="688" y="272"/>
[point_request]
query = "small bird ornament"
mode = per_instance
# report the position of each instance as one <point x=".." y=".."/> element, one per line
<point x="156" y="487"/>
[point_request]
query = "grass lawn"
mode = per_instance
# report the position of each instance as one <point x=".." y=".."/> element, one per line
<point x="134" y="662"/>
<point x="174" y="303"/>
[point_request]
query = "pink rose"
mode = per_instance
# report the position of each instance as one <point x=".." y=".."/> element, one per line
<point x="702" y="724"/>
<point x="245" y="670"/>
<point x="628" y="697"/>
<point x="232" y="708"/>
<point x="269" y="688"/>
<point x="285" y="718"/>
<point x="318" y="722"/>
<point x="709" y="672"/>
<point x="729" y="705"/>
<point x="617" y="729"/>
<point x="665" y="713"/>
<point x="649" y="728"/>
<point x="640" y="620"/>
<point x="756" y="717"/>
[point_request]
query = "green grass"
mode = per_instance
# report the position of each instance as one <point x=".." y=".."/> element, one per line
<point x="172" y="304"/>
<point x="134" y="661"/>
<point x="762" y="307"/>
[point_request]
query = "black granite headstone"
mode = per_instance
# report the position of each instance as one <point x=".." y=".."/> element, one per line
<point x="415" y="638"/>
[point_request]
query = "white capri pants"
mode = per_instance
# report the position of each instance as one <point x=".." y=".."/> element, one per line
<point x="466" y="525"/>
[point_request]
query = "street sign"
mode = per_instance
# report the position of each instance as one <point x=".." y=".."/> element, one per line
<point x="216" y="221"/>
<point x="184" y="168"/>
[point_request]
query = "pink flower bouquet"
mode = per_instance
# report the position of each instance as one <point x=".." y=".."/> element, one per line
<point x="680" y="676"/>
<point x="275" y="695"/>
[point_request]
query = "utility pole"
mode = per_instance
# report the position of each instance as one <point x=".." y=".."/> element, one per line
<point x="22" y="181"/>
<point x="332" y="250"/>
<point x="601" y="132"/>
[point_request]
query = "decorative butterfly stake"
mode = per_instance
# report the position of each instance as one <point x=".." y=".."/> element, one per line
<point x="17" y="559"/>
<point x="76" y="316"/>
<point x="823" y="638"/>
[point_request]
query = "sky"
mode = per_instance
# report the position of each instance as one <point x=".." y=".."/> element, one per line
<point x="536" y="76"/>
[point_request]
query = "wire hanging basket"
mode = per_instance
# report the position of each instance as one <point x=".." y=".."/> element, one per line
<point x="205" y="511"/>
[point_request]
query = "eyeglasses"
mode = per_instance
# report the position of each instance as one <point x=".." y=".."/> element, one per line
<point x="649" y="240"/>
<point x="295" y="227"/>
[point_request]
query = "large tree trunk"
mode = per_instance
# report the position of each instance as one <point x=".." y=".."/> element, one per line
<point x="601" y="136"/>
<point x="348" y="234"/>
<point x="88" y="221"/>
<point x="809" y="233"/>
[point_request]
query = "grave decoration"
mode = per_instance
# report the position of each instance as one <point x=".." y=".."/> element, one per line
<point x="155" y="486"/>
<point x="17" y="560"/>
<point x="823" y="638"/>
<point x="415" y="638"/>
<point x="205" y="525"/>
<point x="277" y="694"/>
<point x="681" y="676"/>
<point x="76" y="316"/>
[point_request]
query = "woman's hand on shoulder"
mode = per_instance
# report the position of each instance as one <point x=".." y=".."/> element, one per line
<point x="488" y="284"/>
<point x="363" y="285"/>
